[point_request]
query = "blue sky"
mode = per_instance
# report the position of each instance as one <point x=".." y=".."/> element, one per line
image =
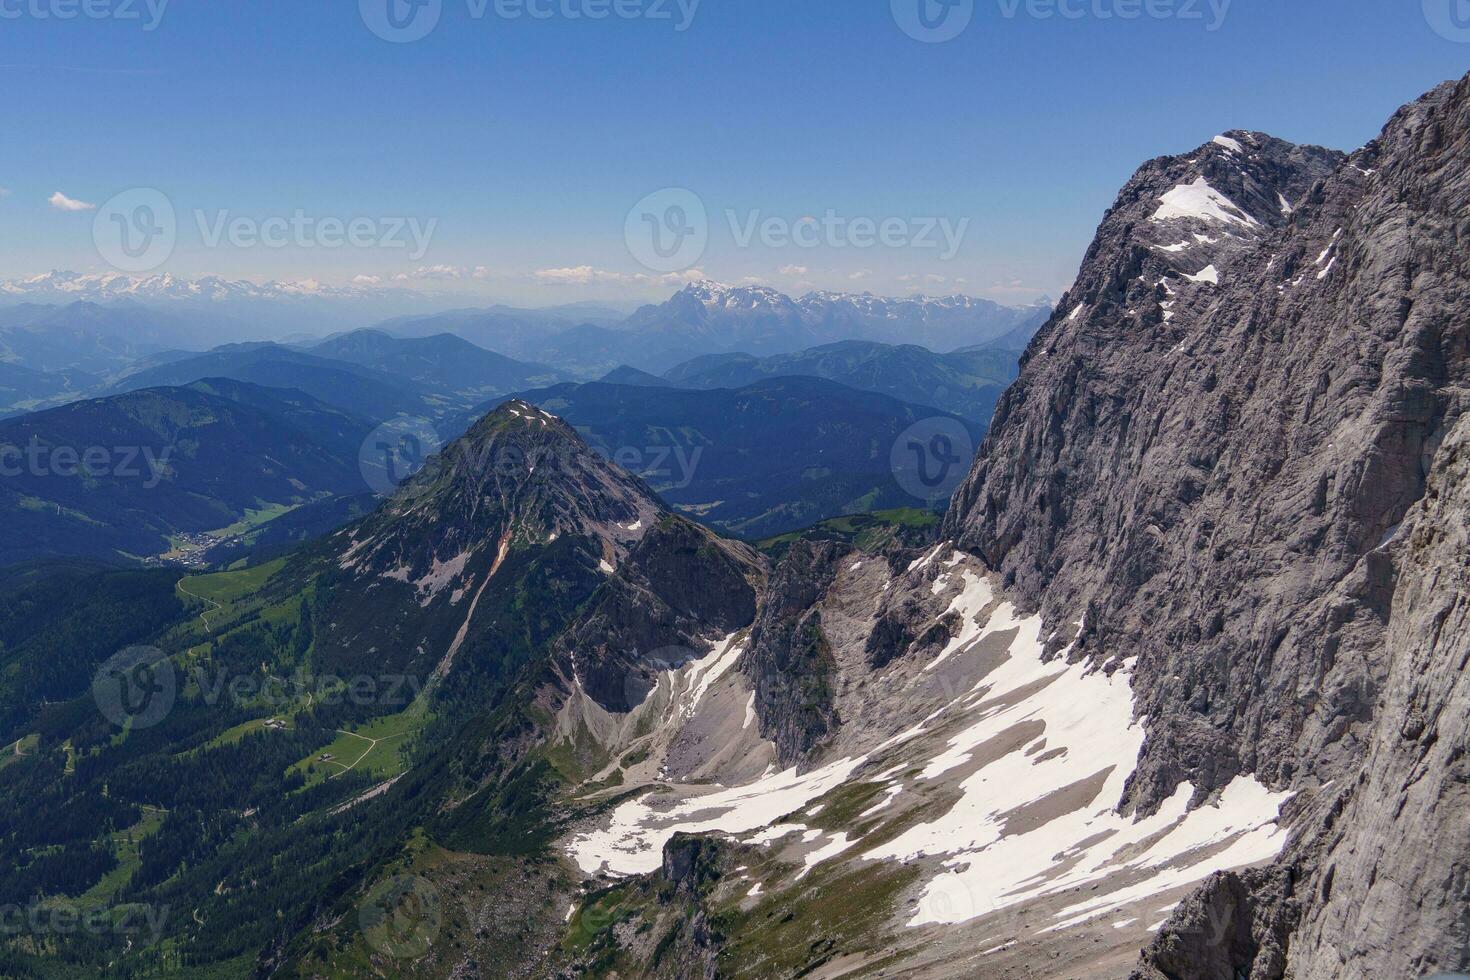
<point x="526" y="141"/>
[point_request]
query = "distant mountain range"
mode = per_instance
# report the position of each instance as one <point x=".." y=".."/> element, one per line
<point x="88" y="336"/>
<point x="710" y="318"/>
<point x="761" y="321"/>
<point x="270" y="439"/>
<point x="53" y="286"/>
<point x="966" y="383"/>
<point x="121" y="477"/>
<point x="233" y="310"/>
<point x="440" y="363"/>
<point x="754" y="319"/>
<point x="108" y="340"/>
<point x="361" y="391"/>
<point x="760" y="460"/>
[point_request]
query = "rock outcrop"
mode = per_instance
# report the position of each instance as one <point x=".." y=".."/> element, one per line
<point x="790" y="661"/>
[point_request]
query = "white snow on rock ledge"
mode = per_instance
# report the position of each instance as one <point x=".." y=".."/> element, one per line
<point x="1039" y="821"/>
<point x="633" y="843"/>
<point x="1200" y="200"/>
<point x="1208" y="274"/>
<point x="1030" y="760"/>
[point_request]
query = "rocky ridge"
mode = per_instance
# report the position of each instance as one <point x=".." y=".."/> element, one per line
<point x="1222" y="465"/>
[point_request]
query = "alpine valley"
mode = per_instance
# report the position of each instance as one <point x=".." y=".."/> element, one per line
<point x="1175" y="688"/>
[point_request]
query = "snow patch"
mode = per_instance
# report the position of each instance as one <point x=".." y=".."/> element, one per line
<point x="972" y="600"/>
<point x="633" y="842"/>
<point x="1201" y="201"/>
<point x="921" y="562"/>
<point x="710" y="669"/>
<point x="1070" y="836"/>
<point x="889" y="796"/>
<point x="836" y="846"/>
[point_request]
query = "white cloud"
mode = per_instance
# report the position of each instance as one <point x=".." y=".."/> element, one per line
<point x="367" y="280"/>
<point x="580" y="275"/>
<point x="860" y="275"/>
<point x="586" y="275"/>
<point x="4" y="192"/>
<point x="678" y="278"/>
<point x="794" y="270"/>
<point x="435" y="272"/>
<point x="61" y="202"/>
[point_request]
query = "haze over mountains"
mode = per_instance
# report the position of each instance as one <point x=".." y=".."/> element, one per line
<point x="109" y="333"/>
<point x="967" y="382"/>
<point x="755" y="446"/>
<point x="126" y="475"/>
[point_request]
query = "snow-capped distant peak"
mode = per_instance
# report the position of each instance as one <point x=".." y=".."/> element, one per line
<point x="869" y="303"/>
<point x="718" y="295"/>
<point x="163" y="286"/>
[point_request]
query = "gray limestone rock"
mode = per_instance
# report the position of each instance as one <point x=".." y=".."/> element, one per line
<point x="1220" y="447"/>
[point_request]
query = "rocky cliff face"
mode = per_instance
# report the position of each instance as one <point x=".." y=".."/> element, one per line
<point x="680" y="590"/>
<point x="1391" y="893"/>
<point x="790" y="661"/>
<point x="1220" y="448"/>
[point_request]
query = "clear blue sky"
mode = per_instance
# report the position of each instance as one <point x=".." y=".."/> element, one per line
<point x="529" y="140"/>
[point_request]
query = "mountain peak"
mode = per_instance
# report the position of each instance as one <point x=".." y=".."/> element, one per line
<point x="1192" y="216"/>
<point x="718" y="295"/>
<point x="518" y="413"/>
<point x="520" y="478"/>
